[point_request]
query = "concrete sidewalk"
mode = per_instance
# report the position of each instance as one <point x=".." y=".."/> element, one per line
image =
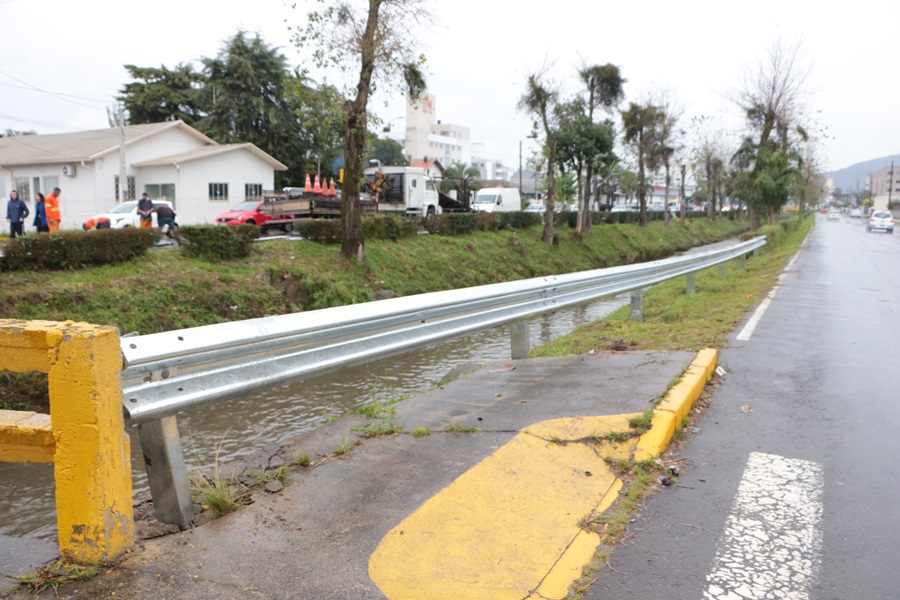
<point x="378" y="519"/>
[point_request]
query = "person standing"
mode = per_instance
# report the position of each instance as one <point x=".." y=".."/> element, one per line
<point x="51" y="207"/>
<point x="16" y="212"/>
<point x="145" y="210"/>
<point x="40" y="214"/>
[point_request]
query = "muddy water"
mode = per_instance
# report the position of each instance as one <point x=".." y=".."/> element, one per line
<point x="237" y="427"/>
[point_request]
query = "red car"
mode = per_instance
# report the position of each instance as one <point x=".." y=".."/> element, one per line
<point x="247" y="212"/>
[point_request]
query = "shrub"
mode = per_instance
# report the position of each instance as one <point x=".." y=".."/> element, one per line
<point x="323" y="231"/>
<point x="518" y="220"/>
<point x="389" y="227"/>
<point x="216" y="242"/>
<point x="76" y="249"/>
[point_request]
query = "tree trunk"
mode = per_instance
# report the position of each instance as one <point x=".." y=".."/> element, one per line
<point x="642" y="184"/>
<point x="682" y="198"/>
<point x="579" y="221"/>
<point x="547" y="236"/>
<point x="586" y="221"/>
<point x="354" y="147"/>
<point x="666" y="199"/>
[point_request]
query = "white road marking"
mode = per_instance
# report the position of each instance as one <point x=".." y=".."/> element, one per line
<point x="772" y="544"/>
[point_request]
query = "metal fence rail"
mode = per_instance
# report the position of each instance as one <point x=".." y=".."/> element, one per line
<point x="171" y="371"/>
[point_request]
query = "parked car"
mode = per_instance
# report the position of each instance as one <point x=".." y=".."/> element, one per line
<point x="246" y="212"/>
<point x="834" y="214"/>
<point x="881" y="219"/>
<point x="536" y="206"/>
<point x="855" y="213"/>
<point x="126" y="215"/>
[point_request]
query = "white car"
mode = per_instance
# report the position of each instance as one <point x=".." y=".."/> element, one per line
<point x="126" y="214"/>
<point x="881" y="219"/>
<point x="834" y="214"/>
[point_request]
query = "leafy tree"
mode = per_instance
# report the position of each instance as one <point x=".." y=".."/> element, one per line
<point x="541" y="100"/>
<point x="373" y="39"/>
<point x="319" y="110"/>
<point x="463" y="178"/>
<point x="605" y="90"/>
<point x="245" y="101"/>
<point x="641" y="123"/>
<point x="388" y="151"/>
<point x="163" y="94"/>
<point x="774" y="179"/>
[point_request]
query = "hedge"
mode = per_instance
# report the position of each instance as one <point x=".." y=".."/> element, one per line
<point x="217" y="242"/>
<point x="68" y="250"/>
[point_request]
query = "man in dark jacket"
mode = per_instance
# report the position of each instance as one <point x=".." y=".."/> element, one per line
<point x="16" y="213"/>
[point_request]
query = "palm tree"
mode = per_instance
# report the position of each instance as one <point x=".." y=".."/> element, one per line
<point x="540" y="100"/>
<point x="640" y="123"/>
<point x="463" y="178"/>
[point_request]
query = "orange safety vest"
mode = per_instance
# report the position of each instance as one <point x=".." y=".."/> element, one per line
<point x="51" y="207"/>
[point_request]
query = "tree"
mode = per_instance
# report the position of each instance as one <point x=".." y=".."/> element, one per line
<point x="319" y="110"/>
<point x="246" y="101"/>
<point x="540" y="99"/>
<point x="605" y="89"/>
<point x="463" y="178"/>
<point x="774" y="179"/>
<point x="641" y="123"/>
<point x="387" y="151"/>
<point x="163" y="94"/>
<point x="377" y="43"/>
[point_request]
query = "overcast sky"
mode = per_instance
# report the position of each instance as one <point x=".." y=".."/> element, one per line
<point x="61" y="61"/>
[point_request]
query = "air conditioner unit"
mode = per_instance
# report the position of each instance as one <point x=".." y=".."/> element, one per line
<point x="68" y="170"/>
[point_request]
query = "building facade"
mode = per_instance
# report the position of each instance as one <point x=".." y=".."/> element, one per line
<point x="170" y="161"/>
<point x="427" y="138"/>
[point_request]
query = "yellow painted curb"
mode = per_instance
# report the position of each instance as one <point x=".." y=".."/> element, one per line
<point x="509" y="525"/>
<point x="674" y="408"/>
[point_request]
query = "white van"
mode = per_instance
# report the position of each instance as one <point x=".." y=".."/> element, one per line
<point x="497" y="200"/>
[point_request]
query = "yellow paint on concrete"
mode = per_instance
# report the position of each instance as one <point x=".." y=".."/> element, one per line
<point x="92" y="465"/>
<point x="678" y="403"/>
<point x="654" y="442"/>
<point x="26" y="436"/>
<point x="499" y="529"/>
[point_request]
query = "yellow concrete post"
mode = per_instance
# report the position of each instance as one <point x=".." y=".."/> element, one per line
<point x="91" y="459"/>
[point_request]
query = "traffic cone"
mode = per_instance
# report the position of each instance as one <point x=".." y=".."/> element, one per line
<point x="317" y="189"/>
<point x="332" y="190"/>
<point x="308" y="186"/>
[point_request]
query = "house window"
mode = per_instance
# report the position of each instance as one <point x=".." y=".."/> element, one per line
<point x="50" y="182"/>
<point x="218" y="191"/>
<point x="252" y="190"/>
<point x="161" y="191"/>
<point x="23" y="186"/>
<point x="129" y="191"/>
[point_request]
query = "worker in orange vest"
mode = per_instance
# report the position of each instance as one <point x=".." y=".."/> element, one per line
<point x="51" y="207"/>
<point x="98" y="223"/>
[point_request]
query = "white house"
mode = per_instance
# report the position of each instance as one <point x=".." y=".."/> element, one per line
<point x="170" y="161"/>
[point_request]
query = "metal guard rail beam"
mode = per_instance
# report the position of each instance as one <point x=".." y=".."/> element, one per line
<point x="171" y="371"/>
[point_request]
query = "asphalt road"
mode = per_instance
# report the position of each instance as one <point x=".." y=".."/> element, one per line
<point x="791" y="487"/>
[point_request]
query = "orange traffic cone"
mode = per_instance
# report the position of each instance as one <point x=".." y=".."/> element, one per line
<point x="317" y="189"/>
<point x="308" y="186"/>
<point x="332" y="190"/>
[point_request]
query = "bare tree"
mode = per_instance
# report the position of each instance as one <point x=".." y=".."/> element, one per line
<point x="378" y="44"/>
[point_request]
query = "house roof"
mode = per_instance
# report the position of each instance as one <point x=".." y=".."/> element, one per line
<point x="426" y="164"/>
<point x="59" y="148"/>
<point x="208" y="151"/>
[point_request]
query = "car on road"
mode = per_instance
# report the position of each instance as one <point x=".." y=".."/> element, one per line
<point x="881" y="219"/>
<point x="834" y="214"/>
<point x="126" y="215"/>
<point x="855" y="213"/>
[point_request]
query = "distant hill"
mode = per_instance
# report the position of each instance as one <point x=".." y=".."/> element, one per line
<point x="848" y="177"/>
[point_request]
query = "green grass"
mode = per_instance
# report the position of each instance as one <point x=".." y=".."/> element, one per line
<point x="217" y="494"/>
<point x="278" y="474"/>
<point x="674" y="320"/>
<point x="420" y="432"/>
<point x="455" y="427"/>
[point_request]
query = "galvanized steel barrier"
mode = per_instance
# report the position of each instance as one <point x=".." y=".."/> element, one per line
<point x="171" y="371"/>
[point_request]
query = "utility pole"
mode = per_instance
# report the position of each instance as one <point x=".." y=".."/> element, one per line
<point x="123" y="177"/>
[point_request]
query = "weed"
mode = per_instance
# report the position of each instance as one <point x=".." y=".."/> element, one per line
<point x="49" y="577"/>
<point x="215" y="493"/>
<point x="641" y="424"/>
<point x="420" y="432"/>
<point x="274" y="475"/>
<point x="383" y="414"/>
<point x="619" y="436"/>
<point x="302" y="460"/>
<point x="456" y="427"/>
<point x="342" y="448"/>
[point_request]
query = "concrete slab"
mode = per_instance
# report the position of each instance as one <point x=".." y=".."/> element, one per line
<point x="314" y="539"/>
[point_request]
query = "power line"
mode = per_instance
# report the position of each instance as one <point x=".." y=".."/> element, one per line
<point x="57" y="96"/>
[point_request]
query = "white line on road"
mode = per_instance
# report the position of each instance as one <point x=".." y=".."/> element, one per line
<point x="773" y="539"/>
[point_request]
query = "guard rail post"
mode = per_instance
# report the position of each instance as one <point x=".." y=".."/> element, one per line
<point x="166" y="472"/>
<point x="743" y="261"/>
<point x="756" y="253"/>
<point x="637" y="306"/>
<point x="520" y="341"/>
<point x="721" y="269"/>
<point x="691" y="286"/>
<point x="84" y="435"/>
